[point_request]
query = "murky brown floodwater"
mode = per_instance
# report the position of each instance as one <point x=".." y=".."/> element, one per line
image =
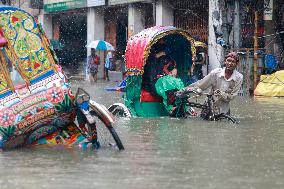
<point x="164" y="153"/>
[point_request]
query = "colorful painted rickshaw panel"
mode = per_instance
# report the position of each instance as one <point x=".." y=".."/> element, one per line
<point x="6" y="86"/>
<point x="27" y="49"/>
<point x="44" y="103"/>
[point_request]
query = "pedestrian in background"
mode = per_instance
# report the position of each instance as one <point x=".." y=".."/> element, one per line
<point x="108" y="64"/>
<point x="198" y="63"/>
<point x="93" y="62"/>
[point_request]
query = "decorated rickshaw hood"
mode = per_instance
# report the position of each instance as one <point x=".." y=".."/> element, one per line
<point x="27" y="49"/>
<point x="138" y="46"/>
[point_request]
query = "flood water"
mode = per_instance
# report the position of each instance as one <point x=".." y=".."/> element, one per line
<point x="163" y="153"/>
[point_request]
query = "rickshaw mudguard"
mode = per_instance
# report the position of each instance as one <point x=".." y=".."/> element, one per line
<point x="102" y="113"/>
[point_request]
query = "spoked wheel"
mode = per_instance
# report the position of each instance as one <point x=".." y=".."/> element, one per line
<point x="225" y="116"/>
<point x="107" y="136"/>
<point x="119" y="110"/>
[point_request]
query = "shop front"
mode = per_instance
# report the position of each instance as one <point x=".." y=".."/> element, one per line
<point x="69" y="29"/>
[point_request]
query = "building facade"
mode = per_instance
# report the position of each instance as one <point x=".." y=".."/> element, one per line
<point x="74" y="23"/>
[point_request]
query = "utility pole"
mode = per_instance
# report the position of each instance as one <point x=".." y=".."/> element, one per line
<point x="255" y="48"/>
<point x="236" y="25"/>
<point x="215" y="51"/>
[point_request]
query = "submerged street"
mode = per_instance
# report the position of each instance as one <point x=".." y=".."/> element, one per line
<point x="60" y="131"/>
<point x="163" y="152"/>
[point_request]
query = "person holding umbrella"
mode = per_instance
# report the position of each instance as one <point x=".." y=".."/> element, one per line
<point x="93" y="62"/>
<point x="104" y="46"/>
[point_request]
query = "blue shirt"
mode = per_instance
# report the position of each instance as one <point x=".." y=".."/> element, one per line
<point x="108" y="62"/>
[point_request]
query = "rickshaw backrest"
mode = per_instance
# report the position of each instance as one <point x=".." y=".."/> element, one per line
<point x="146" y="96"/>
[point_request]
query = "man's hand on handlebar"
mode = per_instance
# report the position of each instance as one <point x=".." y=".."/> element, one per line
<point x="186" y="91"/>
<point x="222" y="95"/>
<point x="217" y="93"/>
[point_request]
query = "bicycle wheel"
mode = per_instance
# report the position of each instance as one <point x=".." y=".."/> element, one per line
<point x="225" y="116"/>
<point x="119" y="110"/>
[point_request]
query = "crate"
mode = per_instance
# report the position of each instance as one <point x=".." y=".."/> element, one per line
<point x="115" y="76"/>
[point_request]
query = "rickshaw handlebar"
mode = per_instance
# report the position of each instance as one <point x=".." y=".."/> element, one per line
<point x="187" y="94"/>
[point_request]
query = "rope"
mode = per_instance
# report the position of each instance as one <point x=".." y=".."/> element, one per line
<point x="272" y="82"/>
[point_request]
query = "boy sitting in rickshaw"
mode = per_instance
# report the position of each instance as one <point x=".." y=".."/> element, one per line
<point x="161" y="80"/>
<point x="167" y="85"/>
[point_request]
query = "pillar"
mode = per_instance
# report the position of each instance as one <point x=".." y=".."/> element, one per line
<point x="164" y="13"/>
<point x="46" y="22"/>
<point x="215" y="51"/>
<point x="96" y="30"/>
<point x="236" y="25"/>
<point x="136" y="19"/>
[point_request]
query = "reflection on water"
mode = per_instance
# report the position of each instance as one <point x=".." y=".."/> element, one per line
<point x="164" y="153"/>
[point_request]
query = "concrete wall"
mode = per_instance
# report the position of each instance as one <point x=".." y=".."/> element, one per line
<point x="164" y="14"/>
<point x="136" y="19"/>
<point x="24" y="4"/>
<point x="46" y="22"/>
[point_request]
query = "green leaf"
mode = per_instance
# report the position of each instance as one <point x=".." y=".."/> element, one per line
<point x="7" y="132"/>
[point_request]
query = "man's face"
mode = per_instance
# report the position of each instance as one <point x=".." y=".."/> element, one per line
<point x="230" y="63"/>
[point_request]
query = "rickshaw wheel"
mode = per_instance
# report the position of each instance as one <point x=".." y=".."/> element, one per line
<point x="119" y="110"/>
<point x="106" y="134"/>
<point x="225" y="116"/>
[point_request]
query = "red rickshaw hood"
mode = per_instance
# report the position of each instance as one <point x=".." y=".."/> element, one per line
<point x="138" y="46"/>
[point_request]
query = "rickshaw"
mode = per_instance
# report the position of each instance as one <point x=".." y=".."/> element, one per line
<point x="139" y="101"/>
<point x="36" y="102"/>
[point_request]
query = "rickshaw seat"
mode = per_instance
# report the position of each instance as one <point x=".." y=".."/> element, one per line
<point x="146" y="96"/>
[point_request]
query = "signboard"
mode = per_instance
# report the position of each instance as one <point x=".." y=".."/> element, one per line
<point x="116" y="2"/>
<point x="268" y="9"/>
<point x="55" y="5"/>
<point x="94" y="3"/>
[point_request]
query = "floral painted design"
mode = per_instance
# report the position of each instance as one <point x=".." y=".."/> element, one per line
<point x="55" y="95"/>
<point x="65" y="105"/>
<point x="7" y="118"/>
<point x="25" y="38"/>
